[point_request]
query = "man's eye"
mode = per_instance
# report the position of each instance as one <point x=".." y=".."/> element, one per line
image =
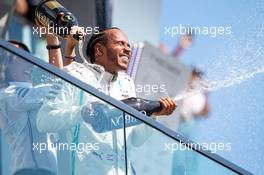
<point x="120" y="43"/>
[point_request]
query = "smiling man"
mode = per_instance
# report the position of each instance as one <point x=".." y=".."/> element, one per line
<point x="109" y="53"/>
<point x="110" y="50"/>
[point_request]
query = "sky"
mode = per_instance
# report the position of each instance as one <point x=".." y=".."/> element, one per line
<point x="234" y="64"/>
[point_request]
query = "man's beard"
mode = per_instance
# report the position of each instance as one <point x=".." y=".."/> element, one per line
<point x="111" y="56"/>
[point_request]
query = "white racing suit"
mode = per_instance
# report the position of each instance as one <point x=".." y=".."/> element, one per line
<point x="105" y="154"/>
<point x="19" y="103"/>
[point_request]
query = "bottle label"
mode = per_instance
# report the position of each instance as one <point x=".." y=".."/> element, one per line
<point x="53" y="4"/>
<point x="42" y="19"/>
<point x="118" y="122"/>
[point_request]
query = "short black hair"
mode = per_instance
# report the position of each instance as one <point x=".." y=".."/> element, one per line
<point x="100" y="37"/>
<point x="197" y="72"/>
<point x="20" y="45"/>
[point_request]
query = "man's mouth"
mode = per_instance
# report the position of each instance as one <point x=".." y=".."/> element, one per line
<point x="125" y="58"/>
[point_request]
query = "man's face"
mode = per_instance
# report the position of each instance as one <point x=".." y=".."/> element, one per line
<point x="20" y="70"/>
<point x="117" y="51"/>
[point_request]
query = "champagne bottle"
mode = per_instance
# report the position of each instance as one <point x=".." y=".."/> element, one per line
<point x="104" y="118"/>
<point x="51" y="14"/>
<point x="146" y="106"/>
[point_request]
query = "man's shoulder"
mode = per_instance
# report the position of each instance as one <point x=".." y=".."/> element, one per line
<point x="77" y="66"/>
<point x="78" y="69"/>
<point x="84" y="72"/>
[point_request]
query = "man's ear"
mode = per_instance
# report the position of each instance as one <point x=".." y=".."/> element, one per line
<point x="98" y="49"/>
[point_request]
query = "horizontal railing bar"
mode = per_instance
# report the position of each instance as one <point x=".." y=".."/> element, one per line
<point x="123" y="107"/>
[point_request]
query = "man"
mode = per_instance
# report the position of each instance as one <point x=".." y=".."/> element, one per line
<point x="109" y="53"/>
<point x="19" y="103"/>
<point x="193" y="107"/>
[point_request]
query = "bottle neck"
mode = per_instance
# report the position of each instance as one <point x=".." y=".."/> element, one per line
<point x="141" y="105"/>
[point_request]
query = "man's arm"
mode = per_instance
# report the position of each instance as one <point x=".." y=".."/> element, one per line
<point x="61" y="110"/>
<point x="55" y="56"/>
<point x="71" y="42"/>
<point x="185" y="41"/>
<point x="70" y="50"/>
<point x="21" y="7"/>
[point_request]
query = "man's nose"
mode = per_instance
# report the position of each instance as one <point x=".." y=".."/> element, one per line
<point x="128" y="50"/>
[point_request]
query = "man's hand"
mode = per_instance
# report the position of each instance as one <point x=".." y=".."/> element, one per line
<point x="75" y="32"/>
<point x="186" y="40"/>
<point x="168" y="106"/>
